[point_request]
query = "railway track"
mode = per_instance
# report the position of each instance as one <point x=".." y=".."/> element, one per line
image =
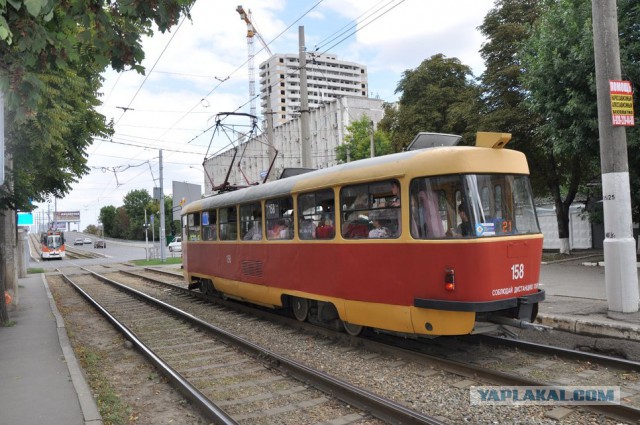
<point x="228" y="378"/>
<point x="459" y="364"/>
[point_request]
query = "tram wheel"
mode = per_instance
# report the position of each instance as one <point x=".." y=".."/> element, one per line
<point x="300" y="308"/>
<point x="351" y="329"/>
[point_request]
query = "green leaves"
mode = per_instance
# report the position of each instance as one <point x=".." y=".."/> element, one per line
<point x="51" y="56"/>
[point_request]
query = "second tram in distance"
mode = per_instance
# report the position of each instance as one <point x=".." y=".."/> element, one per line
<point x="52" y="245"/>
<point x="436" y="241"/>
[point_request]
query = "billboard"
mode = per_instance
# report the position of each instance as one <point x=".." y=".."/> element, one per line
<point x="183" y="193"/>
<point x="66" y="216"/>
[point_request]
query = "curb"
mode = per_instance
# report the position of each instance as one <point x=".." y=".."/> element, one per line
<point x="590" y="327"/>
<point x="85" y="397"/>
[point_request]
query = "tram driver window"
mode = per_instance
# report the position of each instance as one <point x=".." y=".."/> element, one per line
<point x="432" y="213"/>
<point x="279" y="221"/>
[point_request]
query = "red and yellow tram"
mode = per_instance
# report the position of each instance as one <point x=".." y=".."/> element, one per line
<point x="435" y="241"/>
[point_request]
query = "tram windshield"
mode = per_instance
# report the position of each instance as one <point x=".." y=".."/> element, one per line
<point x="54" y="241"/>
<point x="472" y="205"/>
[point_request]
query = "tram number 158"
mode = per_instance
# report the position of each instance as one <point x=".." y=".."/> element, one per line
<point x="517" y="271"/>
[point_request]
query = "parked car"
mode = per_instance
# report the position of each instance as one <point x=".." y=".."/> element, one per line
<point x="100" y="244"/>
<point x="176" y="245"/>
<point x="88" y="240"/>
<point x="78" y="241"/>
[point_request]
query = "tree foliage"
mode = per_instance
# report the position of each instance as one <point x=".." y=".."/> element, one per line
<point x="52" y="53"/>
<point x="357" y="142"/>
<point x="507" y="26"/>
<point x="438" y="96"/>
<point x="108" y="219"/>
<point x="51" y="56"/>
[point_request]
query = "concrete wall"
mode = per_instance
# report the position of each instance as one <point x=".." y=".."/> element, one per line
<point x="580" y="234"/>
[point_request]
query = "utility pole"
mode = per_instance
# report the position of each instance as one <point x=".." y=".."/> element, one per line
<point x="305" y="136"/>
<point x="621" y="274"/>
<point x="373" y="146"/>
<point x="272" y="149"/>
<point x="163" y="239"/>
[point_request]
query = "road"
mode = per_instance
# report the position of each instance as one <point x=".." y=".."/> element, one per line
<point x="117" y="251"/>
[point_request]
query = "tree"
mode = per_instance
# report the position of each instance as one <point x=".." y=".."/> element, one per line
<point x="507" y="26"/>
<point x="560" y="79"/>
<point x="134" y="203"/>
<point x="438" y="96"/>
<point x="357" y="142"/>
<point x="108" y="219"/>
<point x="92" y="229"/>
<point x="51" y="58"/>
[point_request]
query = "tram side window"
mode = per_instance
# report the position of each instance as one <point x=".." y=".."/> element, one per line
<point x="251" y="222"/>
<point x="315" y="215"/>
<point x="279" y="218"/>
<point x="228" y="221"/>
<point x="194" y="227"/>
<point x="371" y="210"/>
<point x="209" y="225"/>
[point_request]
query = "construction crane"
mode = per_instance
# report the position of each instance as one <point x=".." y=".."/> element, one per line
<point x="251" y="32"/>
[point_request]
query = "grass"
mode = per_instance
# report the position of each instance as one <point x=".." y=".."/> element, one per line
<point x="157" y="262"/>
<point x="112" y="410"/>
<point x="35" y="270"/>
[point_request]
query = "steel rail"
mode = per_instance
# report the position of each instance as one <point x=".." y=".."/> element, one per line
<point x="209" y="409"/>
<point x="379" y="407"/>
<point x="386" y="344"/>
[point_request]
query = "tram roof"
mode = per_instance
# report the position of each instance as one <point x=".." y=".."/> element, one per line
<point x="422" y="162"/>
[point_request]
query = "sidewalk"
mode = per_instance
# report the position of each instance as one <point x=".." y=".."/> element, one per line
<point x="576" y="302"/>
<point x="42" y="383"/>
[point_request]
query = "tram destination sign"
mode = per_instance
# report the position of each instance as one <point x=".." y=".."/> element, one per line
<point x="621" y="94"/>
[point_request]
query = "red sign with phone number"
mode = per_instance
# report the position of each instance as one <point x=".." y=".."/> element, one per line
<point x="621" y="93"/>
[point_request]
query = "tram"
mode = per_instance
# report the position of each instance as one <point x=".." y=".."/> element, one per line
<point x="428" y="242"/>
<point x="52" y="245"/>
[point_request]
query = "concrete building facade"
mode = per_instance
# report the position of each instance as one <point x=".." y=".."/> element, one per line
<point x="327" y="79"/>
<point x="328" y="124"/>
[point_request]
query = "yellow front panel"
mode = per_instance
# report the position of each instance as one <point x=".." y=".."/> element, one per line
<point x="442" y="322"/>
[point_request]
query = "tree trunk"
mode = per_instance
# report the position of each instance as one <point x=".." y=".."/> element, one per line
<point x="562" y="216"/>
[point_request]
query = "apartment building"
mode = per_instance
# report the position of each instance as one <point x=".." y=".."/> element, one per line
<point x="327" y="79"/>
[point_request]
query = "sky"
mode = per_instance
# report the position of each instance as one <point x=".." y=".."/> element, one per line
<point x="200" y="69"/>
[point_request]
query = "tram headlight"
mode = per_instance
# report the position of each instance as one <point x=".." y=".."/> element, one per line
<point x="449" y="280"/>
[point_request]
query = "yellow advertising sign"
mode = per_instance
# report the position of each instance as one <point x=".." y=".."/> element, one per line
<point x="621" y="94"/>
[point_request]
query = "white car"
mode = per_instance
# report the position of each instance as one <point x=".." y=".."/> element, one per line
<point x="176" y="245"/>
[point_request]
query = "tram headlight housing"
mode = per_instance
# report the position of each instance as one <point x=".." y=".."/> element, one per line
<point x="449" y="280"/>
